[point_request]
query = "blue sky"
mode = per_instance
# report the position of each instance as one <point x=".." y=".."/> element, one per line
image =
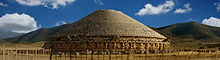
<point x="47" y="15"/>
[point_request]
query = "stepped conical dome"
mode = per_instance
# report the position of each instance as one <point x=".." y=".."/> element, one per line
<point x="108" y="23"/>
<point x="105" y="31"/>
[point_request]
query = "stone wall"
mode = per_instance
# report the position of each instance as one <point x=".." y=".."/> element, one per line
<point x="109" y="44"/>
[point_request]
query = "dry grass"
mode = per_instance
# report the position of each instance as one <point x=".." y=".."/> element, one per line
<point x="170" y="56"/>
<point x="167" y="56"/>
<point x="108" y="57"/>
<point x="23" y="45"/>
<point x="25" y="57"/>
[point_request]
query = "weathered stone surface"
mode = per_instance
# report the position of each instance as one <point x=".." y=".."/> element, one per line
<point x="108" y="23"/>
<point x="107" y="30"/>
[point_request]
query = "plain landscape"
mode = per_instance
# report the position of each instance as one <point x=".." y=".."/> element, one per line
<point x="187" y="35"/>
<point x="182" y="35"/>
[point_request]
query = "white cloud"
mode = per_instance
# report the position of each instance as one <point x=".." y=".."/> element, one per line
<point x="212" y="21"/>
<point x="98" y="2"/>
<point x="2" y="4"/>
<point x="218" y="6"/>
<point x="187" y="9"/>
<point x="46" y="3"/>
<point x="60" y="23"/>
<point x="21" y="23"/>
<point x="149" y="9"/>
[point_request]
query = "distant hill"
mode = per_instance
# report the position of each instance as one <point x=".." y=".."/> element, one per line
<point x="35" y="36"/>
<point x="7" y="34"/>
<point x="190" y="34"/>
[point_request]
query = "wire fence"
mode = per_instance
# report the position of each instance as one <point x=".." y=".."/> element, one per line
<point x="41" y="54"/>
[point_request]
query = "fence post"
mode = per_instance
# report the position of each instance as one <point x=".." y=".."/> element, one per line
<point x="190" y="56"/>
<point x="3" y="52"/>
<point x="27" y="53"/>
<point x="51" y="55"/>
<point x="16" y="53"/>
<point x="216" y="53"/>
<point x="36" y="53"/>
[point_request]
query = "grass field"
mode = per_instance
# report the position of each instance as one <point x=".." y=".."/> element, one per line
<point x="159" y="56"/>
<point x="23" y="45"/>
<point x="206" y="56"/>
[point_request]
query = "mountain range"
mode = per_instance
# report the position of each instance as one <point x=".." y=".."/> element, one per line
<point x="8" y="34"/>
<point x="189" y="34"/>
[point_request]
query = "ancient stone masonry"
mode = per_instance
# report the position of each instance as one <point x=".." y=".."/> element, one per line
<point x="105" y="32"/>
<point x="97" y="44"/>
